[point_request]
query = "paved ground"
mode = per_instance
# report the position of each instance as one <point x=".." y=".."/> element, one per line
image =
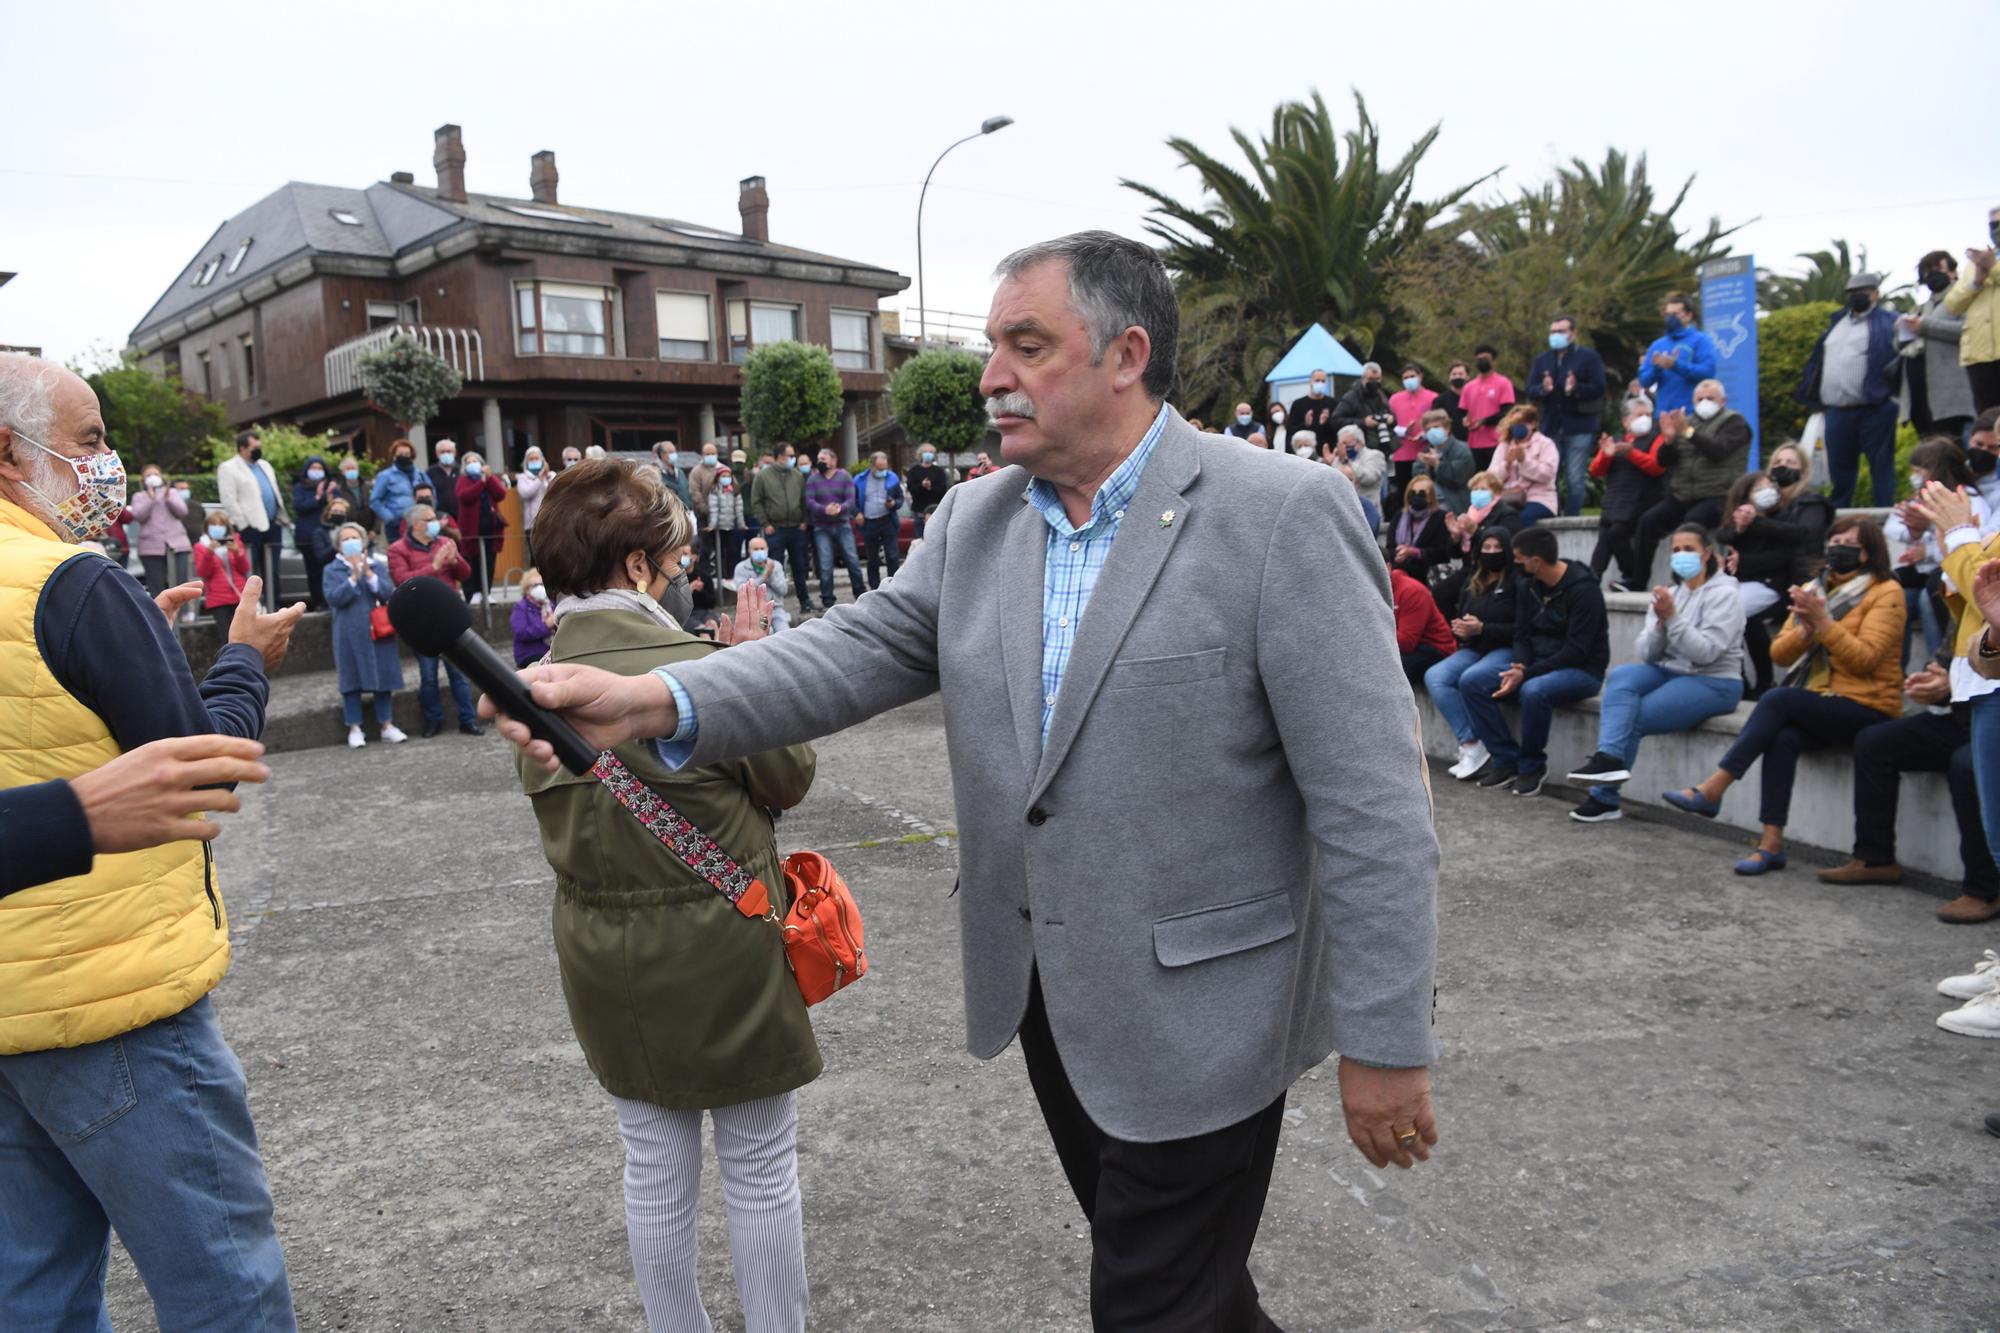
<point x="1671" y="1098"/>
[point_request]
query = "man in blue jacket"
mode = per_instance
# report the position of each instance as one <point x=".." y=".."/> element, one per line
<point x="1847" y="378"/>
<point x="394" y="490"/>
<point x="1567" y="383"/>
<point x="879" y="492"/>
<point x="1679" y="359"/>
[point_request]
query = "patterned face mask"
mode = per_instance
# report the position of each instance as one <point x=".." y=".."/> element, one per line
<point x="99" y="497"/>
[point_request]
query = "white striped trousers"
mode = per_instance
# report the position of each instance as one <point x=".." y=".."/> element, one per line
<point x="756" y="1147"/>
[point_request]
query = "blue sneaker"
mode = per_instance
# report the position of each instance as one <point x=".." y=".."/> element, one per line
<point x="1692" y="801"/>
<point x="1760" y="862"/>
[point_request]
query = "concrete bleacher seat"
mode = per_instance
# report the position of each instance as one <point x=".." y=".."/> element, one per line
<point x="1576" y="538"/>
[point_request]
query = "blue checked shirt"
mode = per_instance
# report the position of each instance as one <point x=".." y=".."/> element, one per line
<point x="1073" y="559"/>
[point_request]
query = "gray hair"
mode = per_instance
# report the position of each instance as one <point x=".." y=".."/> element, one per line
<point x="28" y="395"/>
<point x="1346" y="431"/>
<point x="1300" y="437"/>
<point x="1114" y="284"/>
<point x="1367" y="366"/>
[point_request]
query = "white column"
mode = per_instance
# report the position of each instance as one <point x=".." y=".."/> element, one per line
<point x="850" y="437"/>
<point x="707" y="428"/>
<point x="422" y="445"/>
<point x="495" y="442"/>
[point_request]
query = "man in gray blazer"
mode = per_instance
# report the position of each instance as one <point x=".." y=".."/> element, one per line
<point x="1196" y="841"/>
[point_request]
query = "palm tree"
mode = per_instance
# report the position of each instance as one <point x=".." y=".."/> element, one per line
<point x="1825" y="278"/>
<point x="1305" y="236"/>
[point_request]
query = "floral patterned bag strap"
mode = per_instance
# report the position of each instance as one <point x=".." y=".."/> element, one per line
<point x="693" y="848"/>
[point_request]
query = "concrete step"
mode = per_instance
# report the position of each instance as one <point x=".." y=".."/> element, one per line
<point x="312" y="642"/>
<point x="1576" y="538"/>
<point x="304" y="712"/>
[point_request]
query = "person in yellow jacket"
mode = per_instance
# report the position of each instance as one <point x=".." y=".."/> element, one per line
<point x="1973" y="298"/>
<point x="120" y="1103"/>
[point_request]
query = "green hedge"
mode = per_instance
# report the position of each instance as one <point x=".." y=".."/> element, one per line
<point x="1785" y="340"/>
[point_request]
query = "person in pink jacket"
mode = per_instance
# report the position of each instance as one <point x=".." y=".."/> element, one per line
<point x="162" y="543"/>
<point x="1527" y="461"/>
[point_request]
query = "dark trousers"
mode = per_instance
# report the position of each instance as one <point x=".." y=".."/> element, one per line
<point x="1419" y="660"/>
<point x="793" y="547"/>
<point x="264" y="548"/>
<point x="1614" y="542"/>
<point x="1171" y="1224"/>
<point x="223" y="616"/>
<point x="315" y="567"/>
<point x="1757" y="643"/>
<point x="1853" y="433"/>
<point x="878" y="545"/>
<point x="1984" y="378"/>
<point x="1923" y="743"/>
<point x="1786" y="723"/>
<point x="1663" y="518"/>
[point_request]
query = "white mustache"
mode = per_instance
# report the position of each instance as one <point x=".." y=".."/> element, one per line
<point x="1010" y="405"/>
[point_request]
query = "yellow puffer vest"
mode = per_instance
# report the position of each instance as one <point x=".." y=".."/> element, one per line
<point x="140" y="937"/>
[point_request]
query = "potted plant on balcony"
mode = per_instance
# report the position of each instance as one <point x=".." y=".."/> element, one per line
<point x="406" y="381"/>
<point x="791" y="394"/>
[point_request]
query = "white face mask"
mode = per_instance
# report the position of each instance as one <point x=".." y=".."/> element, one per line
<point x="538" y="593"/>
<point x="1304" y="451"/>
<point x="1319" y="388"/>
<point x="1765" y="498"/>
<point x="88" y="512"/>
<point x="1641" y="425"/>
<point x="1707" y="408"/>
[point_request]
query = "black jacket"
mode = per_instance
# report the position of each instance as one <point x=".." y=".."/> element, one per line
<point x="1563" y="412"/>
<point x="926" y="486"/>
<point x="1362" y="401"/>
<point x="1431" y="540"/>
<point x="1313" y="414"/>
<point x="1563" y="626"/>
<point x="1780" y="548"/>
<point x="1496" y="609"/>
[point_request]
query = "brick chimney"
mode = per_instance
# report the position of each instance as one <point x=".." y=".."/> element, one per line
<point x="449" y="159"/>
<point x="542" y="177"/>
<point x="755" y="206"/>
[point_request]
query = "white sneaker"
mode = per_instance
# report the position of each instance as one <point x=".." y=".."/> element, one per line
<point x="393" y="734"/>
<point x="477" y="598"/>
<point x="1471" y="758"/>
<point x="1977" y="1017"/>
<point x="1982" y="978"/>
<point x="355" y="740"/>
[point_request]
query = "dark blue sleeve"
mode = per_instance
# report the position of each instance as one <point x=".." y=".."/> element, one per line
<point x="107" y="644"/>
<point x="1590" y="376"/>
<point x="43" y="836"/>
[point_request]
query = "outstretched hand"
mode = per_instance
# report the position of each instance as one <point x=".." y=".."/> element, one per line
<point x="607" y="710"/>
<point x="751" y="619"/>
<point x="1380" y="1105"/>
<point x="173" y="599"/>
<point x="1986" y="592"/>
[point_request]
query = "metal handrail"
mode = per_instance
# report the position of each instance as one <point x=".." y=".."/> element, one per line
<point x="462" y="349"/>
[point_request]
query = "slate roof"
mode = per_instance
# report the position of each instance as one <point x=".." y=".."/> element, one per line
<point x="297" y="220"/>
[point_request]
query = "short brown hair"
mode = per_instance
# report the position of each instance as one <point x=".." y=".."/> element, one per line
<point x="596" y="513"/>
<point x="1681" y="299"/>
<point x="1874" y="546"/>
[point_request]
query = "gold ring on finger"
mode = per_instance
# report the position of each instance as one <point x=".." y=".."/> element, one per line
<point x="1408" y="1138"/>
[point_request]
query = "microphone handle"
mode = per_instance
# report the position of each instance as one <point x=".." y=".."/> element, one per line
<point x="476" y="658"/>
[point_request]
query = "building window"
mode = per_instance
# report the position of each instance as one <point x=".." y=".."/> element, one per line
<point x="206" y="274"/>
<point x="381" y="314"/>
<point x="242" y="253"/>
<point x="685" y="331"/>
<point x="564" y="319"/>
<point x="249" y="367"/>
<point x="853" y="340"/>
<point x="343" y="217"/>
<point x="773" y="324"/>
<point x="207" y="376"/>
<point x="739" y="331"/>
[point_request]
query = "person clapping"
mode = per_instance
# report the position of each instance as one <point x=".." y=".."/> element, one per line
<point x="356" y="583"/>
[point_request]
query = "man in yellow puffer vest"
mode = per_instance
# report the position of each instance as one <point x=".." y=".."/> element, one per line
<point x="120" y="1104"/>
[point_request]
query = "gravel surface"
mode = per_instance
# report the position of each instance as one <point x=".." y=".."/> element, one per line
<point x="1670" y="1099"/>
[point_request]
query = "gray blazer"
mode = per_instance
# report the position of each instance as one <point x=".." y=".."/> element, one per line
<point x="1223" y="861"/>
<point x="1946" y="385"/>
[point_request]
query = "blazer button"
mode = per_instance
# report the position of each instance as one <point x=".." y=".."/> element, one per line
<point x="1038" y="816"/>
<point x="1026" y="915"/>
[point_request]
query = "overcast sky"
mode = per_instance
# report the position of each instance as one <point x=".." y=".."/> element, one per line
<point x="132" y="132"/>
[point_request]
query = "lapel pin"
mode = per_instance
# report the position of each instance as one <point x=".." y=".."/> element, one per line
<point x="1167" y="519"/>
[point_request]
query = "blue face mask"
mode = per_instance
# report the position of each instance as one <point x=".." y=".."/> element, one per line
<point x="1674" y="325"/>
<point x="1558" y="341"/>
<point x="447" y="459"/>
<point x="352" y="546"/>
<point x="216" y="534"/>
<point x="1436" y="436"/>
<point x="353" y="474"/>
<point x="805" y="465"/>
<point x="534" y="465"/>
<point x="315" y="474"/>
<point x="433" y="528"/>
<point x="1686" y="564"/>
<point x="473" y="470"/>
<point x="1517" y="432"/>
<point x="1480" y="499"/>
<point x="1412" y="383"/>
<point x="926" y="459"/>
<point x="1243" y="418"/>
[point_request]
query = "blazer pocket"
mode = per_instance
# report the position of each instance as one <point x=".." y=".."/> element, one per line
<point x="1213" y="932"/>
<point x="1139" y="672"/>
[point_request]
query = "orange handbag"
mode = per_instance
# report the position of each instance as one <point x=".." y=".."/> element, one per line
<point x="822" y="928"/>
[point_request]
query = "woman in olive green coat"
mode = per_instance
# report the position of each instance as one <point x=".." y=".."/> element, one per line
<point x="681" y="1003"/>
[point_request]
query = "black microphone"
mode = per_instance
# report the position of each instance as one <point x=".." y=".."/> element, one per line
<point x="433" y="619"/>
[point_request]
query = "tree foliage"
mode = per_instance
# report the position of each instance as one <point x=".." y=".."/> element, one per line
<point x="153" y="419"/>
<point x="407" y="380"/>
<point x="286" y="449"/>
<point x="1307" y="234"/>
<point x="1785" y="340"/>
<point x="791" y="393"/>
<point x="1825" y="279"/>
<point x="936" y="398"/>
<point x="1595" y="243"/>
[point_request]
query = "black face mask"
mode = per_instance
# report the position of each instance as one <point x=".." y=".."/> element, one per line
<point x="1843" y="559"/>
<point x="1785" y="476"/>
<point x="405" y="462"/>
<point x="1859" y="301"/>
<point x="1457" y="381"/>
<point x="1485" y="365"/>
<point x="1420" y="501"/>
<point x="1493" y="562"/>
<point x="1982" y="463"/>
<point x="826" y="467"/>
<point x="256" y="453"/>
<point x="1937" y="280"/>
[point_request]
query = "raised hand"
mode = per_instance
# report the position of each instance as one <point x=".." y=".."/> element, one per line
<point x="752" y="618"/>
<point x="1943" y="507"/>
<point x="1986" y="591"/>
<point x="173" y="599"/>
<point x="269" y="632"/>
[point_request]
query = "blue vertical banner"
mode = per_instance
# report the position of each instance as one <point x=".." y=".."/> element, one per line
<point x="1729" y="315"/>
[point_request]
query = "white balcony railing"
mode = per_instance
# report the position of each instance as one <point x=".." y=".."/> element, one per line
<point x="460" y="347"/>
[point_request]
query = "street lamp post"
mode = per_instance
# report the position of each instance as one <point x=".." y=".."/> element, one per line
<point x="991" y="124"/>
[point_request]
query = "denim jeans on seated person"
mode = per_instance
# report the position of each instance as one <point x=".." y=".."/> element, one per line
<point x="1538" y="698"/>
<point x="1641" y="699"/>
<point x="1986" y="761"/>
<point x="1441" y="683"/>
<point x="148" y="1132"/>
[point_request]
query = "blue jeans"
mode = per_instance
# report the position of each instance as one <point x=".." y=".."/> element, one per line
<point x="1534" y="512"/>
<point x="350" y="707"/>
<point x="1856" y="432"/>
<point x="878" y="539"/>
<point x="1574" y="472"/>
<point x="1441" y="683"/>
<point x="148" y="1132"/>
<point x="1986" y="763"/>
<point x="793" y="547"/>
<point x="1538" y="697"/>
<point x="1641" y="699"/>
<point x="824" y="541"/>
<point x="427" y="692"/>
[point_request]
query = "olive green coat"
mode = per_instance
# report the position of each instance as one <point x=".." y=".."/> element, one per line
<point x="677" y="998"/>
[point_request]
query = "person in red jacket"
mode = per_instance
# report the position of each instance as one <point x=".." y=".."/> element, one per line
<point x="479" y="493"/>
<point x="221" y="563"/>
<point x="424" y="551"/>
<point x="1632" y="470"/>
<point x="1422" y="633"/>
